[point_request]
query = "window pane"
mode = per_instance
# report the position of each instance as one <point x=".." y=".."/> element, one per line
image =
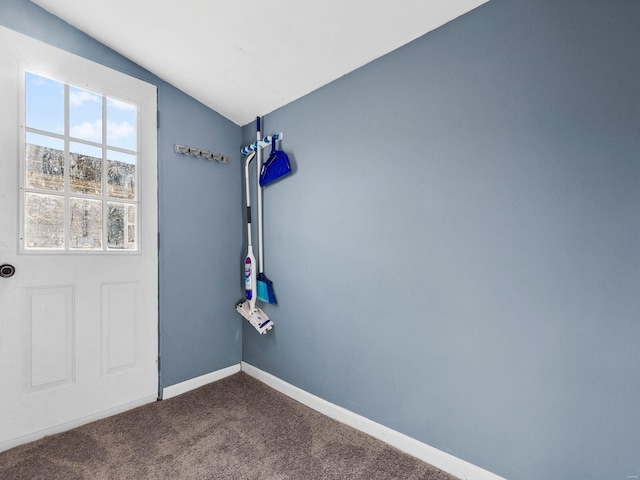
<point x="44" y="103"/>
<point x="45" y="162"/>
<point x="121" y="225"/>
<point x="44" y="221"/>
<point x="121" y="179"/>
<point x="85" y="115"/>
<point x="85" y="229"/>
<point x="121" y="124"/>
<point x="85" y="169"/>
<point x="80" y="168"/>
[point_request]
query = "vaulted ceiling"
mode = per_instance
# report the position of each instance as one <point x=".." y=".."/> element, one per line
<point x="244" y="58"/>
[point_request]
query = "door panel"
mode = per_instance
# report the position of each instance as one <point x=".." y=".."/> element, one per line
<point x="78" y="329"/>
<point x="120" y="323"/>
<point x="48" y="337"/>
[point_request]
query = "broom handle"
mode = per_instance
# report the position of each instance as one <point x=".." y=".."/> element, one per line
<point x="258" y="168"/>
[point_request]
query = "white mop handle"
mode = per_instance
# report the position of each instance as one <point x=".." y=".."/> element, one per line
<point x="248" y="194"/>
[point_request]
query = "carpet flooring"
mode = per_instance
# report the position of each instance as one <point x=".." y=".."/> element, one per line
<point x="236" y="428"/>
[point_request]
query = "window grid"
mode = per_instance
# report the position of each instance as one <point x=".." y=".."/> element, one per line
<point x="130" y="235"/>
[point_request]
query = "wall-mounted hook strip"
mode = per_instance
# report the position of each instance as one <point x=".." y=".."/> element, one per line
<point x="265" y="142"/>
<point x="196" y="152"/>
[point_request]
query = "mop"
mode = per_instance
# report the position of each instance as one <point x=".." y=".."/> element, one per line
<point x="254" y="315"/>
<point x="265" y="286"/>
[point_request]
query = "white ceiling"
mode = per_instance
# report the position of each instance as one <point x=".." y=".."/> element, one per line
<point x="244" y="58"/>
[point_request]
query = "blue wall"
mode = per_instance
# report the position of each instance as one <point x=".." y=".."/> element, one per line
<point x="199" y="211"/>
<point x="458" y="253"/>
<point x="456" y="256"/>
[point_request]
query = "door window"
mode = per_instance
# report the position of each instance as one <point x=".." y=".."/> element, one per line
<point x="80" y="169"/>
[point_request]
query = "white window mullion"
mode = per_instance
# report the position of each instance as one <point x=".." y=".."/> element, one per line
<point x="105" y="233"/>
<point x="66" y="167"/>
<point x="139" y="187"/>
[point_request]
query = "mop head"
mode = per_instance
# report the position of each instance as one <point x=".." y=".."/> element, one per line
<point x="265" y="289"/>
<point x="256" y="317"/>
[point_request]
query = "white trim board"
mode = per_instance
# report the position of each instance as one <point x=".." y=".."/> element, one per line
<point x="442" y="460"/>
<point x="184" y="387"/>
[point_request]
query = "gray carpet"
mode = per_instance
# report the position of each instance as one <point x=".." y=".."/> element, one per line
<point x="236" y="428"/>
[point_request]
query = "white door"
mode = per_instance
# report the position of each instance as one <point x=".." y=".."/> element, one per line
<point x="78" y="222"/>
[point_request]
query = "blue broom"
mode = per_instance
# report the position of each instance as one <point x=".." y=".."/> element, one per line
<point x="264" y="285"/>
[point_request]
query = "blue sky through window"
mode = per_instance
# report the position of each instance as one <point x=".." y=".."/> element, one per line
<point x="121" y="124"/>
<point x="45" y="111"/>
<point x="84" y="149"/>
<point x="45" y="141"/>
<point x="44" y="104"/>
<point x="115" y="156"/>
<point x="85" y="115"/>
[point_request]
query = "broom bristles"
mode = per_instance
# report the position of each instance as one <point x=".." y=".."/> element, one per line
<point x="265" y="289"/>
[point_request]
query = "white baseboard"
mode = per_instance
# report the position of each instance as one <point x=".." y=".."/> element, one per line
<point x="442" y="460"/>
<point x="184" y="387"/>
<point x="32" y="437"/>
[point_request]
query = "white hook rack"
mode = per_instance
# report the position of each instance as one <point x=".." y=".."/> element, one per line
<point x="196" y="152"/>
<point x="265" y="142"/>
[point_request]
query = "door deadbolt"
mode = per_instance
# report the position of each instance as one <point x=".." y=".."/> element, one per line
<point x="7" y="270"/>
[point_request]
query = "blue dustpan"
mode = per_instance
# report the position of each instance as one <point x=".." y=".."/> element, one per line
<point x="275" y="167"/>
